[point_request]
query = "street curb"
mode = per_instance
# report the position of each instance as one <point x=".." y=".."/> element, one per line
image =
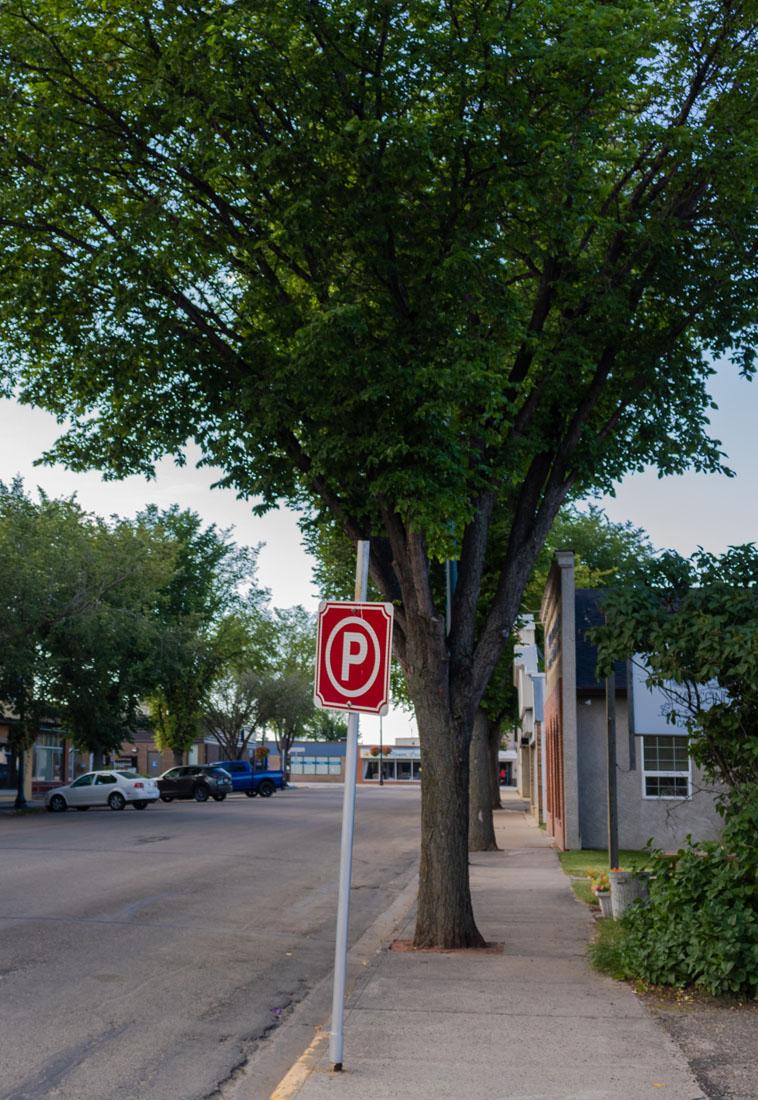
<point x="290" y="1085"/>
<point x="362" y="955"/>
<point x="312" y="1014"/>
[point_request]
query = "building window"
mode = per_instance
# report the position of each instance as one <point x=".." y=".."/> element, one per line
<point x="316" y="765"/>
<point x="666" y="766"/>
<point x="48" y="758"/>
<point x="392" y="769"/>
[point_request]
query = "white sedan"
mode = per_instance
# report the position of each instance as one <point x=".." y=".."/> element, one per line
<point x="103" y="788"/>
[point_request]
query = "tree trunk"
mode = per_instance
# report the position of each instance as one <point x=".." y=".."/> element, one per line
<point x="481" y="828"/>
<point x="178" y="758"/>
<point x="494" y="739"/>
<point x="445" y="916"/>
<point x="98" y="759"/>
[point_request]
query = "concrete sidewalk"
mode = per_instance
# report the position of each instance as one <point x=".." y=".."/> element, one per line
<point x="531" y="1023"/>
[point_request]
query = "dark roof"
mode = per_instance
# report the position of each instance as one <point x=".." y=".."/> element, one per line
<point x="588" y="615"/>
<point x="321" y="748"/>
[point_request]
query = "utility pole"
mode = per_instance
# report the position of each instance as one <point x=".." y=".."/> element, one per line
<point x="610" y="714"/>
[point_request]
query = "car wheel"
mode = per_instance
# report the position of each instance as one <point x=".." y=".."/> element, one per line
<point x="201" y="793"/>
<point x="117" y="801"/>
<point x="266" y="788"/>
<point x="58" y="803"/>
<point x="140" y="805"/>
<point x="250" y="794"/>
<point x="167" y="798"/>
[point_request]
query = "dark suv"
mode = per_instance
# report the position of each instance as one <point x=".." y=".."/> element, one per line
<point x="198" y="781"/>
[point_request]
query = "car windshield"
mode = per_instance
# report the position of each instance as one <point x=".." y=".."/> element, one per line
<point x="218" y="771"/>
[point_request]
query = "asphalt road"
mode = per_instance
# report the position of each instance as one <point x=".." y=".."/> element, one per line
<point x="149" y="955"/>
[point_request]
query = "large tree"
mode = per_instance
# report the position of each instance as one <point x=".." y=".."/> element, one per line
<point x="421" y="266"/>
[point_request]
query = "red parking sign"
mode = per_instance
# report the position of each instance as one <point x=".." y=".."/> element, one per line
<point x="353" y="650"/>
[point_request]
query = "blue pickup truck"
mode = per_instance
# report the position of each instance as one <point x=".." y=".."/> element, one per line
<point x="252" y="780"/>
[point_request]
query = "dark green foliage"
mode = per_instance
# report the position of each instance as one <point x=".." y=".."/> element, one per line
<point x="100" y="617"/>
<point x="695" y="623"/>
<point x="607" y="553"/>
<point x="78" y="599"/>
<point x="700" y="926"/>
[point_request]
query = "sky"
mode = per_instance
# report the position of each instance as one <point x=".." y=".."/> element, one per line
<point x="684" y="512"/>
<point x="678" y="513"/>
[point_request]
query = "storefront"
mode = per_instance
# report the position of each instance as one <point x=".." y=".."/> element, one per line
<point x="318" y="762"/>
<point x="391" y="764"/>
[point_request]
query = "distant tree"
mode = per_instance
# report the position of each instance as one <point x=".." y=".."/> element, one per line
<point x="286" y="693"/>
<point x="106" y="662"/>
<point x="231" y="712"/>
<point x="287" y="702"/>
<point x="606" y="553"/>
<point x="201" y="616"/>
<point x="326" y="725"/>
<point x="77" y="599"/>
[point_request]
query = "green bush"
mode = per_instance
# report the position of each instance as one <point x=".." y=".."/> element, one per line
<point x="700" y="925"/>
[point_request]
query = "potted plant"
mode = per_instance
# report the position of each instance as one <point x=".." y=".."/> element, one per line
<point x="601" y="888"/>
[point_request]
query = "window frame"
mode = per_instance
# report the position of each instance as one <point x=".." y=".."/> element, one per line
<point x="665" y="773"/>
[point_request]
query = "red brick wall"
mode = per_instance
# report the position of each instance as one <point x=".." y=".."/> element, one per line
<point x="555" y="809"/>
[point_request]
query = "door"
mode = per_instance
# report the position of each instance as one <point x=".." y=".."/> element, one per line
<point x="81" y="791"/>
<point x="189" y="774"/>
<point x="104" y="784"/>
<point x="169" y="784"/>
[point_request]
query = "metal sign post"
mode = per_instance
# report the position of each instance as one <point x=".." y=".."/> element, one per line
<point x="346" y="852"/>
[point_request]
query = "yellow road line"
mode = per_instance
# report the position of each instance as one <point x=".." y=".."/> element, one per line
<point x="290" y="1085"/>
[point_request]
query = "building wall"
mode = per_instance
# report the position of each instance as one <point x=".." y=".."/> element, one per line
<point x="561" y="749"/>
<point x="569" y="762"/>
<point x="666" y="820"/>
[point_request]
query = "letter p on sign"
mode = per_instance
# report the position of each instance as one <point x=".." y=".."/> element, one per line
<point x="353" y="651"/>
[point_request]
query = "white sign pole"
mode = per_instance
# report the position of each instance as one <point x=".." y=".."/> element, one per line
<point x="346" y="851"/>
